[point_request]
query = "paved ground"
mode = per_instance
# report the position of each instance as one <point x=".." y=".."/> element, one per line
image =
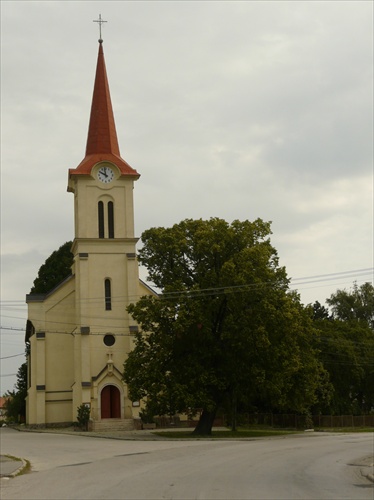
<point x="144" y="466"/>
<point x="11" y="466"/>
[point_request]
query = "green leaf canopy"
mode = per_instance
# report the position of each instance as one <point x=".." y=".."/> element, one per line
<point x="224" y="325"/>
<point x="55" y="269"/>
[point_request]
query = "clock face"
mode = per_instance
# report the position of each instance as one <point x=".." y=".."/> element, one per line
<point x="105" y="174"/>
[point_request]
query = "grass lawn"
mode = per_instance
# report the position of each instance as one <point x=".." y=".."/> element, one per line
<point x="252" y="432"/>
<point x="240" y="433"/>
<point x="344" y="429"/>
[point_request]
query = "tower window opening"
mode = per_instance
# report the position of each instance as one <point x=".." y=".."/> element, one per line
<point x="110" y="220"/>
<point x="101" y="219"/>
<point x="108" y="295"/>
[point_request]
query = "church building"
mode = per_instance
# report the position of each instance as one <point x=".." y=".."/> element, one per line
<point x="80" y="332"/>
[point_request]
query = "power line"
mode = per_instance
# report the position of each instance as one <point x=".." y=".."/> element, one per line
<point x="200" y="293"/>
<point x="14" y="356"/>
<point x="365" y="270"/>
<point x="302" y="280"/>
<point x="321" y="341"/>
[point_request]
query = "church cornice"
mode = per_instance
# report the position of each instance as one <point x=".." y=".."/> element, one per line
<point x="110" y="245"/>
<point x="87" y="164"/>
<point x="41" y="297"/>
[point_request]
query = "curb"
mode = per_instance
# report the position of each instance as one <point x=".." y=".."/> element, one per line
<point x="19" y="470"/>
<point x="12" y="467"/>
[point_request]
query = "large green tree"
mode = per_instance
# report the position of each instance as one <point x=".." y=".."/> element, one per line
<point x="354" y="305"/>
<point x="55" y="269"/>
<point x="224" y="326"/>
<point x="346" y="345"/>
<point x="346" y="351"/>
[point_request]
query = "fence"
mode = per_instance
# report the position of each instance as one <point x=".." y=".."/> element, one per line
<point x="303" y="422"/>
<point x="274" y="420"/>
<point x="292" y="421"/>
<point x="343" y="421"/>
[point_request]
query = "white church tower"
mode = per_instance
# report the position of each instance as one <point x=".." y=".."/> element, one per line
<point x="80" y="333"/>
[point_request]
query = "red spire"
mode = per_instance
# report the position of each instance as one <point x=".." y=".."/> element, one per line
<point x="102" y="142"/>
<point x="102" y="135"/>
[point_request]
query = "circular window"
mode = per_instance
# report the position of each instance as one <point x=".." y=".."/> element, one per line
<point x="109" y="340"/>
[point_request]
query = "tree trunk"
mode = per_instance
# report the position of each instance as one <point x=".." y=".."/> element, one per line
<point x="205" y="424"/>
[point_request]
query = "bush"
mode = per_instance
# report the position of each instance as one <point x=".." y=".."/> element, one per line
<point x="83" y="416"/>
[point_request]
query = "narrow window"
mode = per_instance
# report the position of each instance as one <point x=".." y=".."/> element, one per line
<point x="108" y="295"/>
<point x="101" y="219"/>
<point x="110" y="220"/>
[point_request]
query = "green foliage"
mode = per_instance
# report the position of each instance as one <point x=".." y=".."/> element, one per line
<point x="355" y="305"/>
<point x="320" y="311"/>
<point x="147" y="416"/>
<point x="83" y="416"/>
<point x="16" y="402"/>
<point x="346" y="350"/>
<point x="55" y="269"/>
<point x="225" y="327"/>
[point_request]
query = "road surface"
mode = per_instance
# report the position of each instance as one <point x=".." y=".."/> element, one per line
<point x="302" y="466"/>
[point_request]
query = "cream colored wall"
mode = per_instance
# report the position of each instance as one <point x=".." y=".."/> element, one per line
<point x="88" y="191"/>
<point x="106" y="260"/>
<point x="60" y="328"/>
<point x="58" y="411"/>
<point x="62" y="361"/>
<point x="35" y="401"/>
<point x="51" y="354"/>
<point x="103" y="258"/>
<point x="72" y="360"/>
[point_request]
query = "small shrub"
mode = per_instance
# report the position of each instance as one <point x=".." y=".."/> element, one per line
<point x="83" y="416"/>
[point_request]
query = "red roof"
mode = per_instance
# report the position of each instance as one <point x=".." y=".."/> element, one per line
<point x="102" y="142"/>
<point x="3" y="400"/>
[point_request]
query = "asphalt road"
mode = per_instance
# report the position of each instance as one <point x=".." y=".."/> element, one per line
<point x="307" y="466"/>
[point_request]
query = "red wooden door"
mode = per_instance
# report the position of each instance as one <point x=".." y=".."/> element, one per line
<point x="110" y="402"/>
<point x="115" y="406"/>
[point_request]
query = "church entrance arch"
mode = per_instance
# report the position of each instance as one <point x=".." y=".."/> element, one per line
<point x="110" y="402"/>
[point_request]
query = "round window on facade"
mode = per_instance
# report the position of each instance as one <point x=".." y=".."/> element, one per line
<point x="109" y="340"/>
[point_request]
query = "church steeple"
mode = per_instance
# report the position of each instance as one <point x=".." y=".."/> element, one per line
<point x="102" y="134"/>
<point x="92" y="302"/>
<point x="102" y="142"/>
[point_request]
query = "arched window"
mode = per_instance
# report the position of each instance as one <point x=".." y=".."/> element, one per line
<point x="108" y="295"/>
<point x="109" y="216"/>
<point x="110" y="220"/>
<point x="101" y="219"/>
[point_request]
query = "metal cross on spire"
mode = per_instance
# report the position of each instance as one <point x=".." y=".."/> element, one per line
<point x="100" y="21"/>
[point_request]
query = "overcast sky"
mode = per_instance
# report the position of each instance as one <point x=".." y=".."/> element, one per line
<point x="229" y="109"/>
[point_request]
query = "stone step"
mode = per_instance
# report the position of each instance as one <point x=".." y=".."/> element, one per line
<point x="113" y="424"/>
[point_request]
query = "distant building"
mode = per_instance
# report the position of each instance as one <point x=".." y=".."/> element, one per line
<point x="80" y="333"/>
<point x="3" y="412"/>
